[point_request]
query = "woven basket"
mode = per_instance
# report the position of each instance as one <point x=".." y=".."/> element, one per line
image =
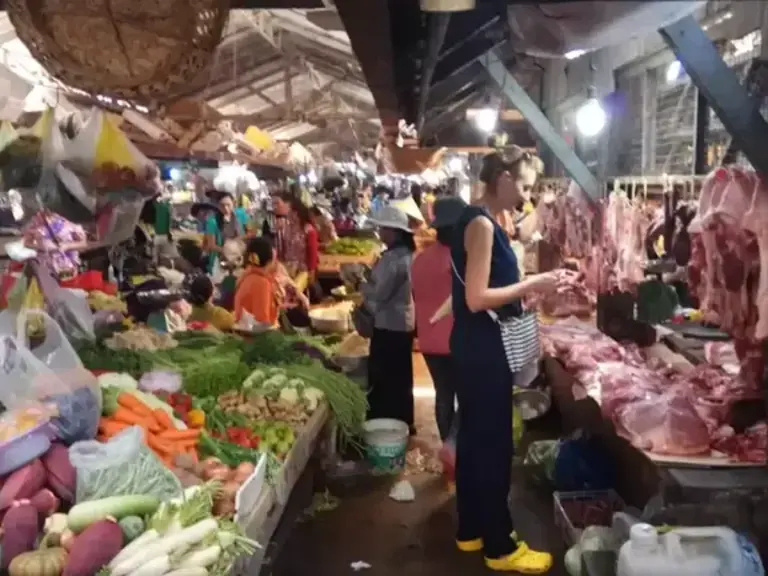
<point x="147" y="50"/>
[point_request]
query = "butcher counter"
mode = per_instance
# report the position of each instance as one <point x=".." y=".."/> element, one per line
<point x="669" y="493"/>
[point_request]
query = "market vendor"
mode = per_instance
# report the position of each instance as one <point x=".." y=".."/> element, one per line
<point x="387" y="296"/>
<point x="302" y="246"/>
<point x="323" y="223"/>
<point x="200" y="290"/>
<point x="229" y="223"/>
<point x="265" y="288"/>
<point x="258" y="292"/>
<point x="486" y="279"/>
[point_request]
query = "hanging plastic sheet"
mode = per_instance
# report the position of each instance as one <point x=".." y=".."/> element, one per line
<point x="100" y="142"/>
<point x="555" y="30"/>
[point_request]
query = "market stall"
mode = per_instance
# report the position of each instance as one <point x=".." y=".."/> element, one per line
<point x="233" y="435"/>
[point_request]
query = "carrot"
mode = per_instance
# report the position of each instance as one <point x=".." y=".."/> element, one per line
<point x="123" y="414"/>
<point x="133" y="404"/>
<point x="111" y="427"/>
<point x="177" y="435"/>
<point x="185" y="445"/>
<point x="162" y="448"/>
<point x="162" y="418"/>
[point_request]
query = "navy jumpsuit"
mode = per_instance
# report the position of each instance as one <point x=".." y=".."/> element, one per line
<point x="484" y="446"/>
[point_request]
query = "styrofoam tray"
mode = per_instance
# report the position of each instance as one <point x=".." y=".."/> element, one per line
<point x="250" y="491"/>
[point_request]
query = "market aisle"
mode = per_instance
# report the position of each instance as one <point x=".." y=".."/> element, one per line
<point x="413" y="539"/>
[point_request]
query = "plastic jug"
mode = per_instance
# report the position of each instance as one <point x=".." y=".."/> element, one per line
<point x="710" y="551"/>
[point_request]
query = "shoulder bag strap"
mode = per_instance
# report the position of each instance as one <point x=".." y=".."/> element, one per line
<point x="491" y="313"/>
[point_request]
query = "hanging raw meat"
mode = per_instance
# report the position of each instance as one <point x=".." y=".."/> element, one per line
<point x="755" y="221"/>
<point x="724" y="252"/>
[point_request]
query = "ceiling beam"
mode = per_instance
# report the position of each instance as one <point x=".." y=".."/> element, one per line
<point x="267" y="68"/>
<point x="369" y="25"/>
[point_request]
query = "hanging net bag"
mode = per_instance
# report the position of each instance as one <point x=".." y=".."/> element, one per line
<point x="134" y="49"/>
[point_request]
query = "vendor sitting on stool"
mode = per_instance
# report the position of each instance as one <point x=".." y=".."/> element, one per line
<point x="258" y="292"/>
<point x="200" y="295"/>
<point x="265" y="287"/>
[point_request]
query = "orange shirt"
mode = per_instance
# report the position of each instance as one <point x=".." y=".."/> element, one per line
<point x="258" y="294"/>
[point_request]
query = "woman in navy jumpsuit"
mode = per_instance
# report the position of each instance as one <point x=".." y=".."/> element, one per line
<point x="481" y="252"/>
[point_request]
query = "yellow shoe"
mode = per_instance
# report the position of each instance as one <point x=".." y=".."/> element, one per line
<point x="470" y="545"/>
<point x="523" y="560"/>
<point x="477" y="544"/>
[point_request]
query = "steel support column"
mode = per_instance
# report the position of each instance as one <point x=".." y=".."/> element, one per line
<point x="701" y="143"/>
<point x="721" y="87"/>
<point x="541" y="125"/>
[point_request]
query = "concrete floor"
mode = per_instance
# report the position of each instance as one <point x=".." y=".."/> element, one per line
<point x="404" y="539"/>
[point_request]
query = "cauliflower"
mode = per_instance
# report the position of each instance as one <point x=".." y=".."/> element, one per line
<point x="117" y="380"/>
<point x="289" y="396"/>
<point x="296" y="383"/>
<point x="313" y="397"/>
<point x="255" y="378"/>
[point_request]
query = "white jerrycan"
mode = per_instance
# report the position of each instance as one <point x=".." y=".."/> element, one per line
<point x="707" y="551"/>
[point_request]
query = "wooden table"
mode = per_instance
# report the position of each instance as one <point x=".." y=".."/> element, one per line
<point x="330" y="264"/>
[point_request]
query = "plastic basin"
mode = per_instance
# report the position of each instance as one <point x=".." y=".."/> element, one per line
<point x="386" y="443"/>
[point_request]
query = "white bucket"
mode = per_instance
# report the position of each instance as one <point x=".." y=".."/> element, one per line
<point x="386" y="443"/>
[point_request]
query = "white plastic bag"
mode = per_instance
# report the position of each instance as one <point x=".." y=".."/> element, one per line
<point x="120" y="467"/>
<point x="70" y="310"/>
<point x="64" y="381"/>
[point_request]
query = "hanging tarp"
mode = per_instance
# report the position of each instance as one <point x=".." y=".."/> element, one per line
<point x="555" y="29"/>
<point x="259" y="139"/>
<point x="413" y="160"/>
<point x="100" y="141"/>
<point x="300" y="155"/>
<point x="8" y="134"/>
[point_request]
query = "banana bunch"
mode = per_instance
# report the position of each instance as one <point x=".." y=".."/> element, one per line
<point x="33" y="300"/>
<point x="98" y="301"/>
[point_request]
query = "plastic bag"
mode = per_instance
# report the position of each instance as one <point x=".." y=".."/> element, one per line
<point x="25" y="378"/>
<point x="124" y="465"/>
<point x="160" y="381"/>
<point x="76" y="395"/>
<point x="70" y="311"/>
<point x="100" y="142"/>
<point x="543" y="453"/>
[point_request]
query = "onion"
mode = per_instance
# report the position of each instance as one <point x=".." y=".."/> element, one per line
<point x="210" y="462"/>
<point x="243" y="472"/>
<point x="219" y="472"/>
<point x="224" y="507"/>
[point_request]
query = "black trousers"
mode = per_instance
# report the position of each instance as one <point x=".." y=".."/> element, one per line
<point x="390" y="375"/>
<point x="484" y="450"/>
<point x="443" y="375"/>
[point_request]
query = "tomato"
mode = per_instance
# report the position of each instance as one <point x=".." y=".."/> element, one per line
<point x="255" y="440"/>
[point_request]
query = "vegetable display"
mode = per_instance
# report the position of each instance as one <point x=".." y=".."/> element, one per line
<point x="122" y="409"/>
<point x="351" y="247"/>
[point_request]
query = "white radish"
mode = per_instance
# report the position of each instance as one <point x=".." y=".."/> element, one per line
<point x="167" y="544"/>
<point x="199" y="571"/>
<point x="155" y="567"/>
<point x="145" y="539"/>
<point x="201" y="558"/>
